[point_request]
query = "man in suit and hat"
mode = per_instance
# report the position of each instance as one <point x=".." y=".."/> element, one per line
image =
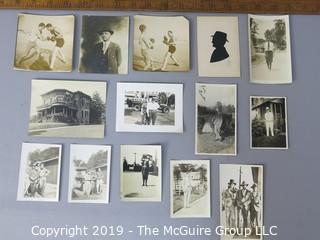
<point x="229" y="204"/>
<point x="243" y="201"/>
<point x="220" y="53"/>
<point x="107" y="54"/>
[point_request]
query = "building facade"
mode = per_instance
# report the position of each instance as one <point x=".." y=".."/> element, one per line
<point x="61" y="105"/>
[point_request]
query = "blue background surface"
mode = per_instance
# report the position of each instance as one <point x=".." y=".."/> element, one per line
<point x="291" y="195"/>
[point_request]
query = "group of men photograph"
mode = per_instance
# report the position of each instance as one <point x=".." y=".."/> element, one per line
<point x="93" y="181"/>
<point x="242" y="206"/>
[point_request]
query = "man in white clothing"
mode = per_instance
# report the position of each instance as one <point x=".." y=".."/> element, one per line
<point x="152" y="108"/>
<point x="269" y="119"/>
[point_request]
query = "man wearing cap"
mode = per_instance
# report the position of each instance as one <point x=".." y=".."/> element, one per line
<point x="243" y="201"/>
<point x="269" y="119"/>
<point x="219" y="39"/>
<point x="107" y="54"/>
<point x="229" y="204"/>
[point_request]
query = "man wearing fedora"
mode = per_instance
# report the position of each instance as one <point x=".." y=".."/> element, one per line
<point x="255" y="207"/>
<point x="229" y="204"/>
<point x="269" y="120"/>
<point x="243" y="201"/>
<point x="107" y="54"/>
<point x="220" y="53"/>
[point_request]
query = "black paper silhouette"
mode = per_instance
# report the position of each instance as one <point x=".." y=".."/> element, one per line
<point x="219" y="39"/>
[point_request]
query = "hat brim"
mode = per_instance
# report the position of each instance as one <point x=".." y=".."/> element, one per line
<point x="105" y="30"/>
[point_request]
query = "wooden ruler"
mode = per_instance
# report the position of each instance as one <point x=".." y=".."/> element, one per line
<point x="226" y="6"/>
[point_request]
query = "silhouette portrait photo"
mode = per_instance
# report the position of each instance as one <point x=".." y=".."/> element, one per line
<point x="219" y="39"/>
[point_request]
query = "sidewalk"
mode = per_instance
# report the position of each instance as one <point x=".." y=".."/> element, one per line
<point x="197" y="208"/>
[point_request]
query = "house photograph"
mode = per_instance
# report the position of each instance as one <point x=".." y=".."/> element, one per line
<point x="67" y="108"/>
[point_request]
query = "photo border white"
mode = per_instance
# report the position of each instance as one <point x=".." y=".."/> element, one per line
<point x="137" y="199"/>
<point x="235" y="122"/>
<point x="226" y="237"/>
<point x="176" y="88"/>
<point x="22" y="173"/>
<point x="286" y="121"/>
<point x="104" y="201"/>
<point x="195" y="161"/>
<point x="266" y="81"/>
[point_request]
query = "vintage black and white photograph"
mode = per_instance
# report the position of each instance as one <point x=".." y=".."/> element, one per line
<point x="161" y="43"/>
<point x="218" y="46"/>
<point x="241" y="201"/>
<point x="216" y="119"/>
<point x="149" y="107"/>
<point x="268" y="118"/>
<point x="104" y="44"/>
<point x="140" y="173"/>
<point x="44" y="43"/>
<point x="89" y="173"/>
<point x="61" y="108"/>
<point x="270" y="50"/>
<point x="39" y="176"/>
<point x="190" y="188"/>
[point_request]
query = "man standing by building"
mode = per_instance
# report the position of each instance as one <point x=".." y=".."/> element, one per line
<point x="107" y="54"/>
<point x="269" y="119"/>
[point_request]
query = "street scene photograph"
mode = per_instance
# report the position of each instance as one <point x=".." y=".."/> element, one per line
<point x="268" y="117"/>
<point x="190" y="188"/>
<point x="270" y="49"/>
<point x="44" y="43"/>
<point x="216" y="119"/>
<point x="241" y="201"/>
<point x="89" y="173"/>
<point x="67" y="108"/>
<point x="161" y="44"/>
<point x="149" y="107"/>
<point x="39" y="176"/>
<point x="141" y="173"/>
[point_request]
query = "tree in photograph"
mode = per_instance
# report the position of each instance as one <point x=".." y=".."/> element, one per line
<point x="79" y="163"/>
<point x="280" y="34"/>
<point x="171" y="100"/>
<point x="97" y="159"/>
<point x="97" y="109"/>
<point x="48" y="153"/>
<point x="268" y="34"/>
<point x="163" y="98"/>
<point x="253" y="34"/>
